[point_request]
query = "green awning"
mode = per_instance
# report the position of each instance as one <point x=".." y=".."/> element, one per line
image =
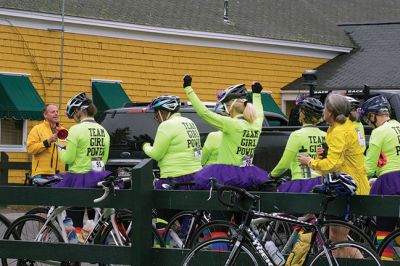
<point x="108" y="95"/>
<point x="268" y="103"/>
<point x="19" y="99"/>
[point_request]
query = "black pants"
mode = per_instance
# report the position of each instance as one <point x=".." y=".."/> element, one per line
<point x="77" y="213"/>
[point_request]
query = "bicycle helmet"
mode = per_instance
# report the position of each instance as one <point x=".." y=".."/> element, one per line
<point x="353" y="102"/>
<point x="337" y="184"/>
<point x="375" y="105"/>
<point x="169" y="103"/>
<point x="233" y="92"/>
<point x="80" y="101"/>
<point x="312" y="106"/>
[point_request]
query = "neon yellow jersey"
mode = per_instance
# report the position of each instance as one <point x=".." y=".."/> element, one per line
<point x="177" y="147"/>
<point x="239" y="137"/>
<point x="307" y="138"/>
<point x="209" y="153"/>
<point x="386" y="139"/>
<point x="87" y="141"/>
<point x="345" y="154"/>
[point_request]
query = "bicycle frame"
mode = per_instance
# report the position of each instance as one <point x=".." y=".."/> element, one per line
<point x="57" y="214"/>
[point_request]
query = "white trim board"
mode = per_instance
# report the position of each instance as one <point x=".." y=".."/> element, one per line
<point x="166" y="35"/>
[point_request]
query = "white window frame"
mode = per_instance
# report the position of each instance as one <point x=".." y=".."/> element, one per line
<point x="16" y="148"/>
<point x="287" y="96"/>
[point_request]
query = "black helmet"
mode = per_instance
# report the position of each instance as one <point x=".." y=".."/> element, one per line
<point x="375" y="105"/>
<point x="353" y="103"/>
<point x="312" y="106"/>
<point x="80" y="101"/>
<point x="169" y="103"/>
<point x="233" y="92"/>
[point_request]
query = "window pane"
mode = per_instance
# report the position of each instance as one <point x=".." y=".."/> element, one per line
<point x="11" y="132"/>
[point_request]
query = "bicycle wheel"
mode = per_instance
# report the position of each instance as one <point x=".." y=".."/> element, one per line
<point x="389" y="249"/>
<point x="346" y="253"/>
<point x="217" y="251"/>
<point x="176" y="233"/>
<point x="27" y="228"/>
<point x="213" y="229"/>
<point x="4" y="224"/>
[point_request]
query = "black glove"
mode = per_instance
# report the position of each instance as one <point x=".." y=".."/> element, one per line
<point x="325" y="147"/>
<point x="187" y="81"/>
<point x="140" y="141"/>
<point x="256" y="87"/>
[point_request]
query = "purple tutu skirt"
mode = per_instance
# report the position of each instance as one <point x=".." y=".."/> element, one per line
<point x="248" y="177"/>
<point x="159" y="182"/>
<point x="75" y="180"/>
<point x="387" y="184"/>
<point x="301" y="185"/>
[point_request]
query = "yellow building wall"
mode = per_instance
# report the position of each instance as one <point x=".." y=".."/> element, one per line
<point x="147" y="69"/>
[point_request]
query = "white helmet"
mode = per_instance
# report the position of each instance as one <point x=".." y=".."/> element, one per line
<point x="80" y="101"/>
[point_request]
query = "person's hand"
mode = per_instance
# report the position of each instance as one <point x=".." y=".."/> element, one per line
<point x="256" y="87"/>
<point x="140" y="141"/>
<point x="53" y="138"/>
<point x="303" y="160"/>
<point x="187" y="81"/>
<point x="147" y="138"/>
<point x="322" y="151"/>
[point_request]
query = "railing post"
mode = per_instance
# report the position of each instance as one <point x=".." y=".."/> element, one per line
<point x="142" y="187"/>
<point x="3" y="169"/>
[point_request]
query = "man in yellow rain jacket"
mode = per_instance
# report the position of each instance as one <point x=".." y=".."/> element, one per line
<point x="41" y="145"/>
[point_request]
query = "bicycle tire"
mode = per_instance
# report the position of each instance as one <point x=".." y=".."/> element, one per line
<point x="205" y="231"/>
<point x="205" y="251"/>
<point x="388" y="243"/>
<point x="175" y="225"/>
<point x="4" y="224"/>
<point x="19" y="226"/>
<point x="362" y="250"/>
<point x="38" y="210"/>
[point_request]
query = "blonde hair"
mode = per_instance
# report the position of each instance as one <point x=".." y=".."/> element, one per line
<point x="339" y="106"/>
<point x="241" y="106"/>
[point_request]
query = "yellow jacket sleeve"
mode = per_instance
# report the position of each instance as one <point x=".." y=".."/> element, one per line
<point x="335" y="157"/>
<point x="35" y="144"/>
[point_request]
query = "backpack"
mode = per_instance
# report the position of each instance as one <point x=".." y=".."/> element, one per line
<point x="300" y="250"/>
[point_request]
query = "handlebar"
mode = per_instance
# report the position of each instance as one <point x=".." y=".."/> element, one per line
<point x="108" y="185"/>
<point x="239" y="191"/>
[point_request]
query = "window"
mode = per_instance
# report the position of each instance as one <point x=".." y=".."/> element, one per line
<point x="13" y="134"/>
<point x="19" y="102"/>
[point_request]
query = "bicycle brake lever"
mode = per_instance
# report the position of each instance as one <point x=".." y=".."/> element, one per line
<point x="210" y="195"/>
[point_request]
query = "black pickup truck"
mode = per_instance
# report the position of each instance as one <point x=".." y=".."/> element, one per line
<point x="125" y="123"/>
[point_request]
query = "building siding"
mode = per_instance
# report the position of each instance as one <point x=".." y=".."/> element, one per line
<point x="147" y="69"/>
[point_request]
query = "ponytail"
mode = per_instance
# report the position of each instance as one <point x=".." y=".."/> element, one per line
<point x="249" y="112"/>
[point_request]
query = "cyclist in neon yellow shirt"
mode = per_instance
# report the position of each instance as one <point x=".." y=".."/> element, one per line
<point x="240" y="133"/>
<point x="209" y="153"/>
<point x="305" y="140"/>
<point x="86" y="153"/>
<point x="383" y="155"/>
<point x="177" y="146"/>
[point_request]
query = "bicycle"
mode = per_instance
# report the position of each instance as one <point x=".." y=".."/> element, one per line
<point x="245" y="248"/>
<point x="283" y="234"/>
<point x="111" y="229"/>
